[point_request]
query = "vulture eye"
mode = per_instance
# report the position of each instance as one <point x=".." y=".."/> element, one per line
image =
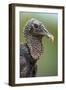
<point x="35" y="25"/>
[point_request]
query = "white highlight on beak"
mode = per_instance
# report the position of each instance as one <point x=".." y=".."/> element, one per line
<point x="51" y="37"/>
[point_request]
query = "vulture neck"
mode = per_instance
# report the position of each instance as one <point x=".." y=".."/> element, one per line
<point x="35" y="46"/>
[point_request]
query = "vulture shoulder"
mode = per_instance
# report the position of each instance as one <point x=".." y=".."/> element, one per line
<point x="26" y="62"/>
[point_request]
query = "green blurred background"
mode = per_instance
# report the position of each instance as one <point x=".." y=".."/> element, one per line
<point x="48" y="63"/>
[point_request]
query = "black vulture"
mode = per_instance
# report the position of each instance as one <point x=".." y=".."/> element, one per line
<point x="30" y="51"/>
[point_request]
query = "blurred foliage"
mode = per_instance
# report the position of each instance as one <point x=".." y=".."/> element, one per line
<point x="48" y="63"/>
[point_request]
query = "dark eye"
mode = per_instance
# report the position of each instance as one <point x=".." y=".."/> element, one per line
<point x="35" y="25"/>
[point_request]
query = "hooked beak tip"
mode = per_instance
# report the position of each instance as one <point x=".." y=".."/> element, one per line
<point x="51" y="37"/>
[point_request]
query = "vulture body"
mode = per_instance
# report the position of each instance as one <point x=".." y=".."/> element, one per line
<point x="27" y="66"/>
<point x="30" y="52"/>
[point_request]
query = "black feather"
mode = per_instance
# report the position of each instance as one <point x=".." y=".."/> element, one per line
<point x="27" y="66"/>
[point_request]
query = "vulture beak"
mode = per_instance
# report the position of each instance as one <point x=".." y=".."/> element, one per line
<point x="51" y="37"/>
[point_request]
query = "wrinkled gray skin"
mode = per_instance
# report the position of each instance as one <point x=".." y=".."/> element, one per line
<point x="31" y="51"/>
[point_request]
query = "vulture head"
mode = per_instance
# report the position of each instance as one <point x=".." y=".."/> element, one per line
<point x="34" y="32"/>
